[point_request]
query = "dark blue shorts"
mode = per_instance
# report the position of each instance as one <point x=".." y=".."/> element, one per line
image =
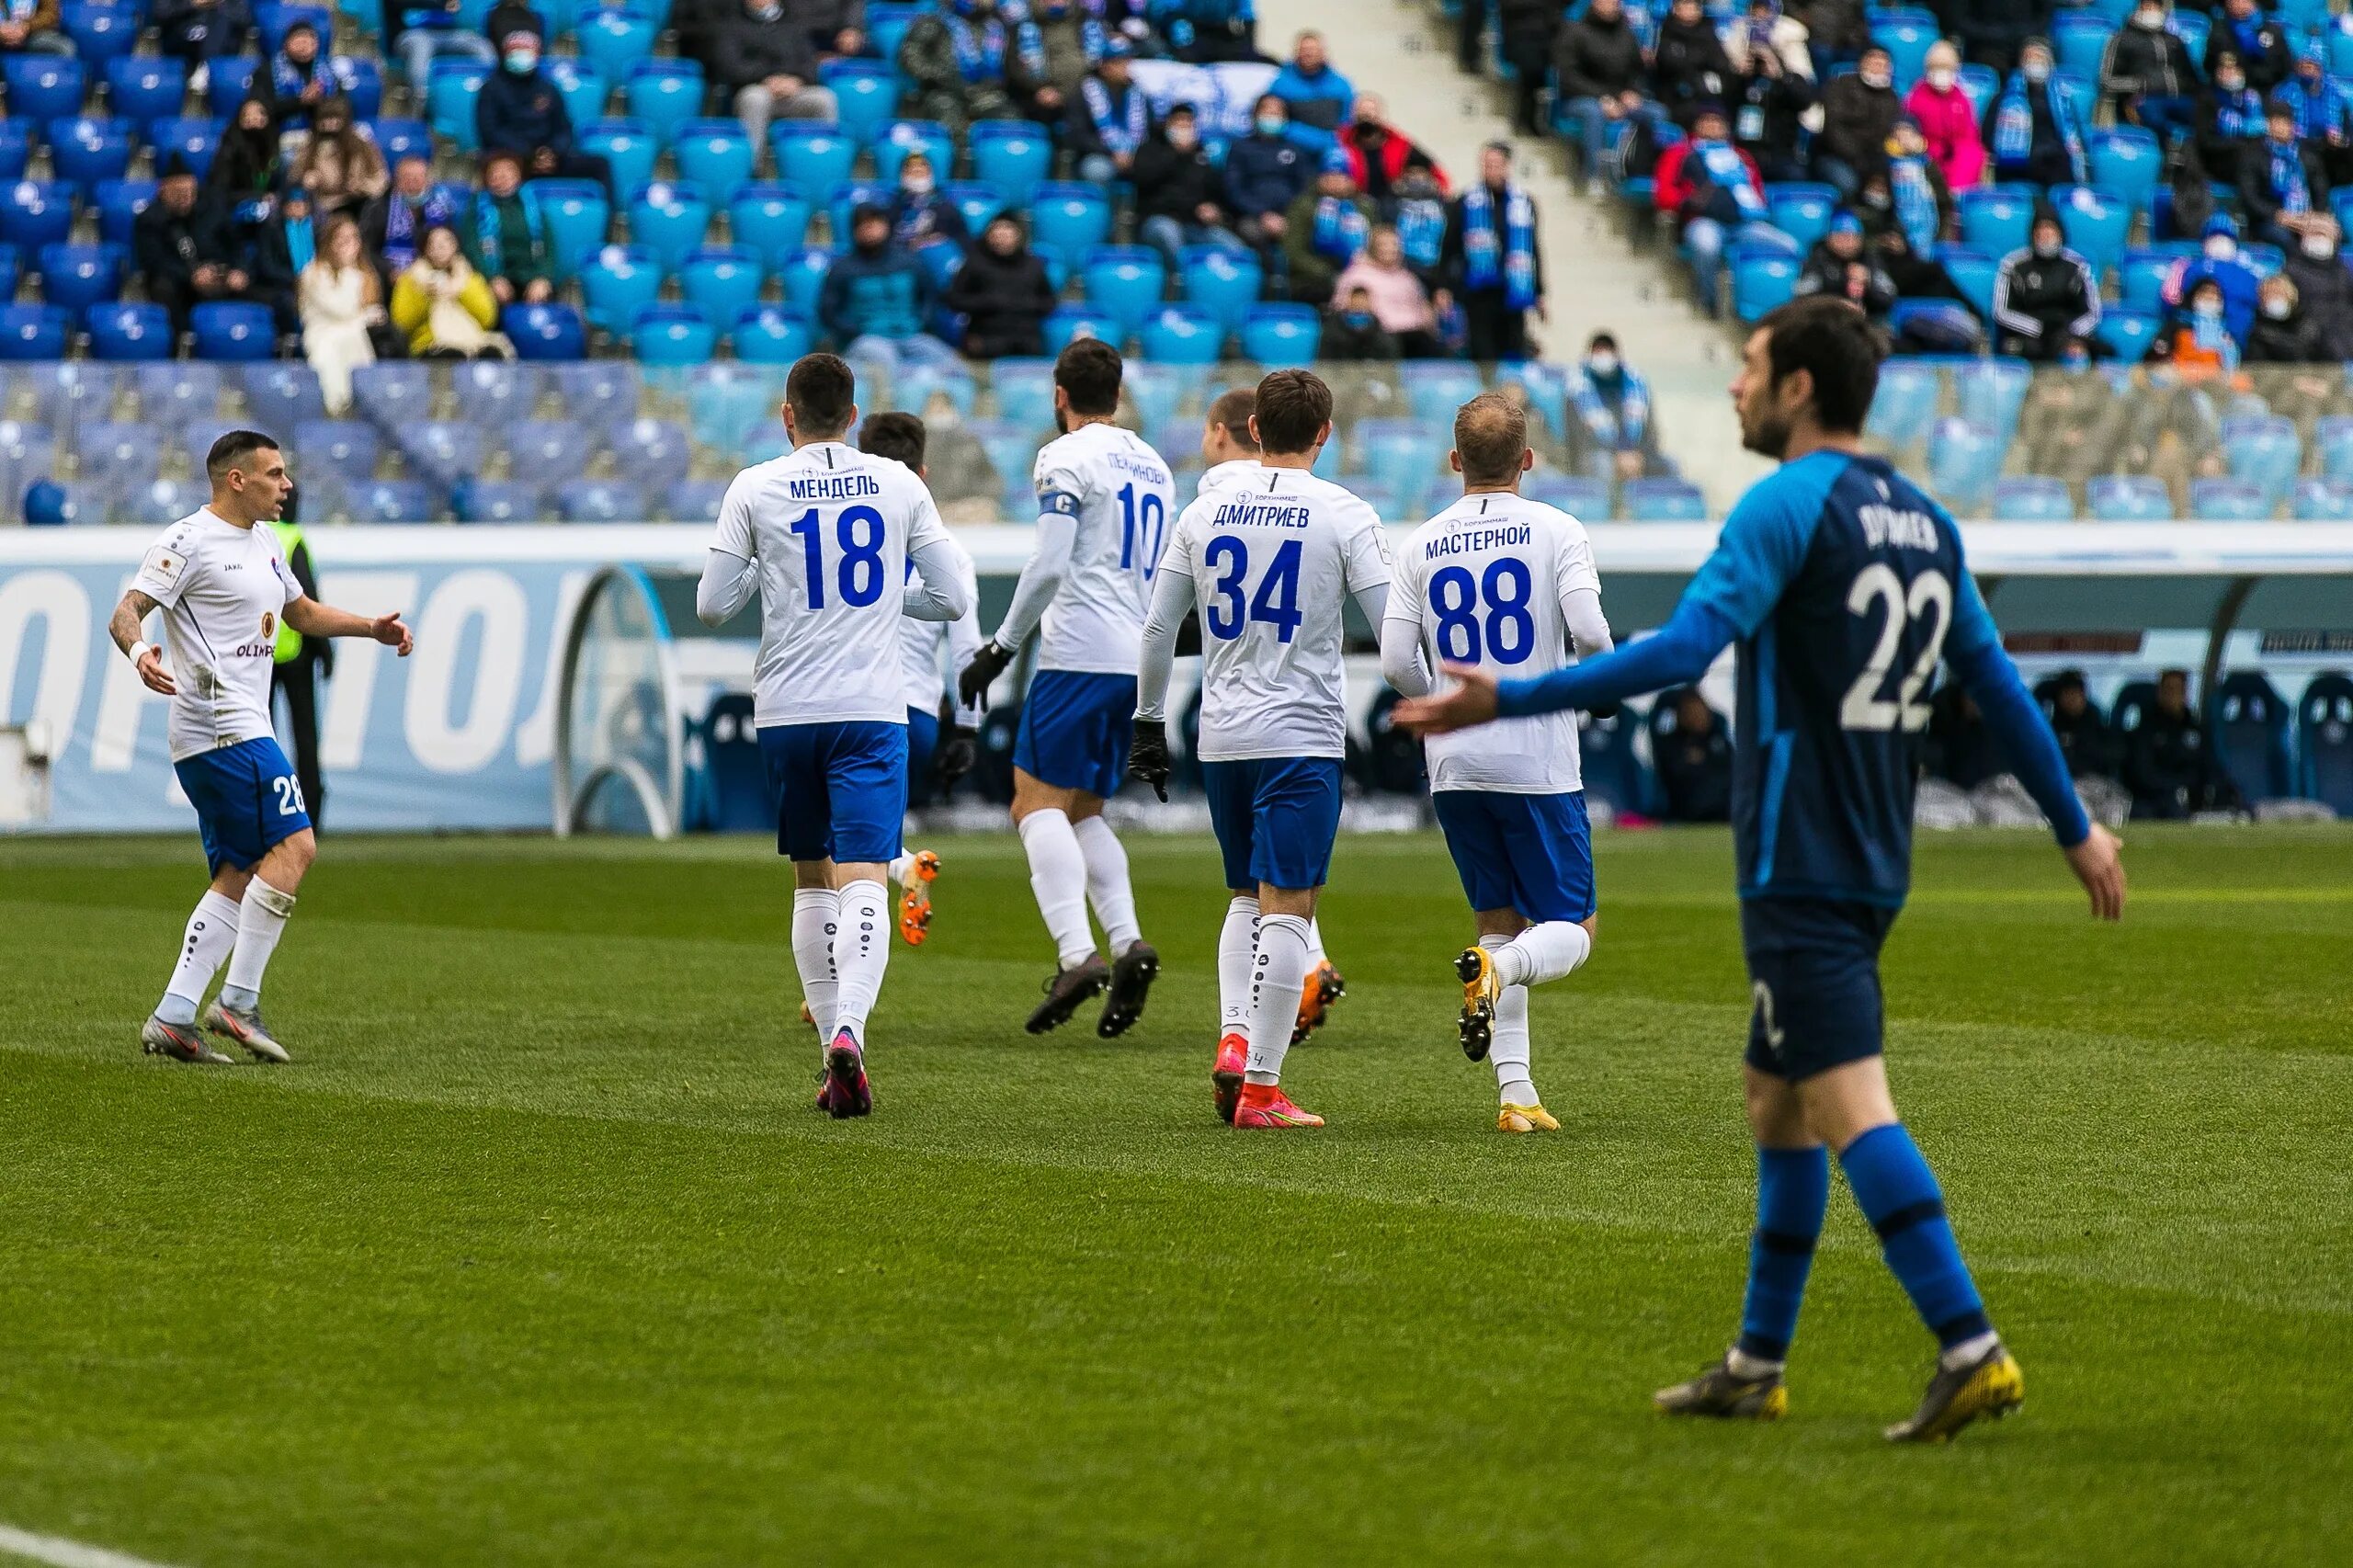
<point x="1075" y="731"/>
<point x="1276" y="818"/>
<point x="1531" y="853"/>
<point x="1813" y="970"/>
<point x="841" y="790"/>
<point x="923" y="741"/>
<point x="247" y="800"/>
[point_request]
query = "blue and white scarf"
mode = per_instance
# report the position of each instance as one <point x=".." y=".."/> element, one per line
<point x="1915" y="202"/>
<point x="1029" y="39"/>
<point x="2239" y="114"/>
<point x="1726" y="171"/>
<point x="1341" y="229"/>
<point x="1421" y="227"/>
<point x="489" y="227"/>
<point x="980" y="53"/>
<point x="1122" y="130"/>
<point x="1620" y="429"/>
<point x="1515" y="266"/>
<point x="289" y="80"/>
<point x="2013" y="125"/>
<point x="2289" y="186"/>
<point x="2320" y="109"/>
<point x="2212" y="335"/>
<point x="404" y="225"/>
<point x="302" y="243"/>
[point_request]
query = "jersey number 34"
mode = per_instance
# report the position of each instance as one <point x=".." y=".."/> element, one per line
<point x="1930" y="596"/>
<point x="1276" y="602"/>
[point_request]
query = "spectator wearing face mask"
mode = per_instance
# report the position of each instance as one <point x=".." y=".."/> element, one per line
<point x="1352" y="333"/>
<point x="2033" y="131"/>
<point x="1772" y="94"/>
<point x="920" y="214"/>
<point x="955" y="56"/>
<point x="2326" y="287"/>
<point x="760" y="62"/>
<point x="519" y="111"/>
<point x="1324" y="231"/>
<point x="1688" y="65"/>
<point x="2247" y="30"/>
<point x="1401" y="304"/>
<point x="1380" y="154"/>
<point x="1948" y="121"/>
<point x="1002" y="292"/>
<point x="1599" y="67"/>
<point x="1858" y="112"/>
<point x="2147" y="75"/>
<point x="2281" y="335"/>
<point x="2283" y="184"/>
<point x="1616" y="435"/>
<point x="877" y="295"/>
<point x="1109" y="118"/>
<point x="1181" y="191"/>
<point x="1264" y="172"/>
<point x="2222" y="265"/>
<point x="1842" y="268"/>
<point x="2230" y="119"/>
<point x="2198" y="341"/>
<point x="2324" y="118"/>
<point x="2046" y="303"/>
<point x="1713" y="194"/>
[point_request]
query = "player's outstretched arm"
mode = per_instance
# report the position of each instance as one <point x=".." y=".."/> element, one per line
<point x="126" y="627"/>
<point x="311" y="618"/>
<point x="1678" y="654"/>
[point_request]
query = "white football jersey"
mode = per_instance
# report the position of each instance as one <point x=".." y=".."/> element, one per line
<point x="1483" y="583"/>
<point x="830" y="529"/>
<point x="1119" y="492"/>
<point x="934" y="651"/>
<point x="223" y="590"/>
<point x="1274" y="560"/>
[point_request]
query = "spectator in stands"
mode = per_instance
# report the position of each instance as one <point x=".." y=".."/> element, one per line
<point x="835" y="28"/>
<point x="2167" y="765"/>
<point x="1772" y="95"/>
<point x="1109" y="117"/>
<point x="1210" y="32"/>
<point x="1694" y="760"/>
<point x="276" y="251"/>
<point x="519" y="110"/>
<point x="1264" y="172"/>
<point x="1993" y="32"/>
<point x="1612" y="404"/>
<point x="1923" y="202"/>
<point x="963" y="482"/>
<point x="2281" y="335"/>
<point x="1526" y="31"/>
<point x="2085" y="739"/>
<point x="511" y="16"/>
<point x="340" y="297"/>
<point x="1494" y="260"/>
<point x="2046" y="303"/>
<point x="1713" y="195"/>
<point x="2198" y="341"/>
<point x="2147" y="76"/>
<point x="2227" y="268"/>
<point x="1054" y="49"/>
<point x="1400" y="303"/>
<point x="2283" y="184"/>
<point x="426" y="30"/>
<point x="2259" y="41"/>
<point x="180" y="245"/>
<point x="1688" y="65"/>
<point x="921" y="213"/>
<point x="2323" y="118"/>
<point x="2326" y="286"/>
<point x="1324" y="231"/>
<point x="1181" y="191"/>
<point x="300" y="77"/>
<point x="956" y="59"/>
<point x="1422" y="221"/>
<point x="444" y="306"/>
<point x="1599" y="67"/>
<point x="2073" y="427"/>
<point x="1352" y="331"/>
<point x="1858" y="112"/>
<point x="1315" y="93"/>
<point x="1380" y="154"/>
<point x="2230" y="119"/>
<point x="246" y="166"/>
<point x="339" y="166"/>
<point x="1763" y="29"/>
<point x="32" y="27"/>
<point x="202" y="31"/>
<point x="1959" y="749"/>
<point x="507" y="241"/>
<point x="1954" y="325"/>
<point x="1002" y="292"/>
<point x="762" y="64"/>
<point x="1948" y="121"/>
<point x="1840" y="265"/>
<point x="877" y="295"/>
<point x="392" y="225"/>
<point x="2033" y="130"/>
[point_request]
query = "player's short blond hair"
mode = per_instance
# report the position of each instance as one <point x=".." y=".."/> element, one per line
<point x="1491" y="437"/>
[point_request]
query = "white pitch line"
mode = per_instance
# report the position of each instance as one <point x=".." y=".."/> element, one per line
<point x="61" y="1554"/>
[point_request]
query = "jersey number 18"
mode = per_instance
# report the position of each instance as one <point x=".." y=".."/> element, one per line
<point x="857" y="576"/>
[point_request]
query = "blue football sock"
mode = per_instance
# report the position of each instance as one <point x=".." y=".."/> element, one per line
<point x="1793" y="1190"/>
<point x="1898" y="1194"/>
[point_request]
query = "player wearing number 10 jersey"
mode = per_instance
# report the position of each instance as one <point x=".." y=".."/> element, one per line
<point x="1843" y="585"/>
<point x="824" y="536"/>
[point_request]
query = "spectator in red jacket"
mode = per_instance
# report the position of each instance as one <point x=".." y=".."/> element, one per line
<point x="1379" y="154"/>
<point x="1711" y="191"/>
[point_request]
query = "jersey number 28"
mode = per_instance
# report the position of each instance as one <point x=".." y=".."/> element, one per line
<point x="1276" y="601"/>
<point x="1931" y="595"/>
<point x="858" y="575"/>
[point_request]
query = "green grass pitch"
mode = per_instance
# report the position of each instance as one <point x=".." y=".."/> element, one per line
<point x="539" y="1254"/>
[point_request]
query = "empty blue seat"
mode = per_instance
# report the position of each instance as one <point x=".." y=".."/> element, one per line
<point x="582" y="90"/>
<point x="720" y="280"/>
<point x="1663" y="501"/>
<point x="2193" y="28"/>
<point x="2129" y="334"/>
<point x="1905" y="34"/>
<point x="42" y="87"/>
<point x="803" y="278"/>
<point x="1905" y="402"/>
<point x="599" y="501"/>
<point x="2142" y="274"/>
<point x="81" y="501"/>
<point x="78" y="277"/>
<point x="765" y="442"/>
<point x="16" y="148"/>
<point x="146" y="89"/>
<point x="194" y="140"/>
<point x="1282" y="337"/>
<point x="160" y="503"/>
<point x="2079" y="41"/>
<point x="2332" y="440"/>
<point x="101" y="32"/>
<point x="128" y="332"/>
<point x="668" y="217"/>
<point x="1436" y="388"/>
<point x="2097" y="222"/>
<point x="2033" y="498"/>
<point x="548" y="451"/>
<point x="2324" y="501"/>
<point x="575" y="216"/>
<point x="1764" y="278"/>
<point x="771" y="335"/>
<point x="596" y="391"/>
<point x="1125" y="282"/>
<point x="394" y="395"/>
<point x="1997" y="220"/>
<point x="282" y="394"/>
<point x="693" y="500"/>
<point x="442" y="451"/>
<point x="1069" y="323"/>
<point x="391" y="501"/>
<point x="1974" y="274"/>
<point x="1981" y="84"/>
<point x="2250" y="725"/>
<point x="666" y="94"/>
<point x="671" y="335"/>
<point x="977" y="202"/>
<point x="772" y="221"/>
<point x="813" y="156"/>
<point x="232" y="332"/>
<point x="2264" y="450"/>
<point x="867" y="95"/>
<point x="1014" y="156"/>
<point x="724" y="400"/>
<point x="1023" y="389"/>
<point x="548" y="331"/>
<point x="229" y="81"/>
<point x="450" y="93"/>
<point x="629" y="145"/>
<point x="618" y="282"/>
<point x="174" y="393"/>
<point x="1964" y="459"/>
<point x="1992" y="391"/>
<point x="119" y="203"/>
<point x="902" y="137"/>
<point x="33" y="332"/>
<point x="497" y="501"/>
<point x="716" y="154"/>
<point x="1222" y="281"/>
<point x="363" y="83"/>
<point x="2128" y="160"/>
<point x="613" y="42"/>
<point x="2228" y="501"/>
<point x="34" y="213"/>
<point x="494" y="392"/>
<point x="345" y="449"/>
<point x="2325" y="742"/>
<point x="653" y="452"/>
<point x="2129" y="498"/>
<point x="1802" y="210"/>
<point x="120" y="456"/>
<point x="1397" y="456"/>
<point x="1076" y="218"/>
<point x="398" y="139"/>
<point x="1588" y="500"/>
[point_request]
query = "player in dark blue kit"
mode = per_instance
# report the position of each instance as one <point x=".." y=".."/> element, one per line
<point x="1843" y="587"/>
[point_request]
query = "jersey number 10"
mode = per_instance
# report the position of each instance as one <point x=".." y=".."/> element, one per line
<point x="1142" y="521"/>
<point x="858" y="575"/>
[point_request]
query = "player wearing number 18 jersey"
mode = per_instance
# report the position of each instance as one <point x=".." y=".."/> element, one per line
<point x="824" y="536"/>
<point x="1843" y="587"/>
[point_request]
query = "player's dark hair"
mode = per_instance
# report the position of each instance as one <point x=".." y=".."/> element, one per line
<point x="1838" y="344"/>
<point x="899" y="436"/>
<point x="822" y="393"/>
<point x="1232" y="412"/>
<point x="1089" y="372"/>
<point x="1293" y="408"/>
<point x="230" y="452"/>
<point x="1490" y="435"/>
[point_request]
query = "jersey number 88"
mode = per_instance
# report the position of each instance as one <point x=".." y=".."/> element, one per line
<point x="1509" y="630"/>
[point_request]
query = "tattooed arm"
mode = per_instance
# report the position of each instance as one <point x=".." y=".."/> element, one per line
<point x="130" y="617"/>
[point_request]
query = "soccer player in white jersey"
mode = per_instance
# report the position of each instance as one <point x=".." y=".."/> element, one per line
<point x="824" y="535"/>
<point x="223" y="587"/>
<point x="1271" y="562"/>
<point x="1104" y="503"/>
<point x="1503" y="583"/>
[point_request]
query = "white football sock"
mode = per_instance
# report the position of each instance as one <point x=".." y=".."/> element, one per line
<point x="815" y="912"/>
<point x="901" y="866"/>
<point x="861" y="951"/>
<point x="1314" y="943"/>
<point x="1107" y="884"/>
<point x="1237" y="950"/>
<point x="1278" y="974"/>
<point x="204" y="948"/>
<point x="1508" y="1049"/>
<point x="1541" y="953"/>
<point x="1058" y="876"/>
<point x="261" y="920"/>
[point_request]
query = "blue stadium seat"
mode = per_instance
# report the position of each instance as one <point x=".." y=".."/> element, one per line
<point x="803" y="278"/>
<point x="667" y="95"/>
<point x="363" y="81"/>
<point x="1125" y="282"/>
<point x="275" y="20"/>
<point x="101" y="32"/>
<point x="1069" y="322"/>
<point x="194" y="139"/>
<point x="2033" y="498"/>
<point x="146" y="89"/>
<point x="78" y="277"/>
<point x="42" y="87"/>
<point x="887" y="22"/>
<point x="441" y="452"/>
<point x="66" y="394"/>
<point x="1905" y="34"/>
<point x="2264" y="449"/>
<point x="232" y="332"/>
<point x="1981" y="84"/>
<point x="809" y="155"/>
<point x="977" y="202"/>
<point x="549" y="332"/>
<point x="128" y="332"/>
<point x="584" y="91"/>
<point x="2129" y="498"/>
<point x="281" y="393"/>
<point x="119" y="203"/>
<point x="1905" y="402"/>
<point x="2141" y="273"/>
<point x="2097" y="222"/>
<point x="344" y="448"/>
<point x="1763" y="278"/>
<point x="575" y="216"/>
<point x="1996" y="220"/>
<point x="1397" y="456"/>
<point x="36" y="213"/>
<point x="618" y="282"/>
<point x="653" y="452"/>
<point x="717" y="154"/>
<point x="597" y="390"/>
<point x="2265" y="259"/>
<point x="2250" y="726"/>
<point x="174" y="393"/>
<point x="905" y="136"/>
<point x="161" y="503"/>
<point x="1588" y="500"/>
<point x="12" y="267"/>
<point x="392" y="501"/>
<point x="693" y="500"/>
<point x="393" y="393"/>
<point x="229" y="81"/>
<point x="866" y="94"/>
<point x="629" y="145"/>
<point x="1547" y="390"/>
<point x="668" y="217"/>
<point x="1222" y="281"/>
<point x="2193" y="28"/>
<point x="725" y="399"/>
<point x="2127" y="160"/>
<point x="497" y="501"/>
<point x="599" y="501"/>
<point x="720" y="280"/>
<point x="671" y="336"/>
<point x="2332" y="439"/>
<point x="495" y="392"/>
<point x="2325" y="742"/>
<point x="765" y="441"/>
<point x="2324" y="501"/>
<point x="772" y="220"/>
<point x="2129" y="334"/>
<point x="1964" y="461"/>
<point x="614" y="41"/>
<point x="2228" y="501"/>
<point x="1074" y="218"/>
<point x="1013" y="156"/>
<point x="771" y="335"/>
<point x="1663" y="501"/>
<point x="120" y="456"/>
<point x="1991" y="393"/>
<point x="1973" y="273"/>
<point x="2079" y="42"/>
<point x="915" y="386"/>
<point x="845" y="199"/>
<point x="1282" y="337"/>
<point x="1025" y="390"/>
<point x="16" y="148"/>
<point x="1802" y="210"/>
<point x="1436" y="388"/>
<point x="397" y="139"/>
<point x="450" y="93"/>
<point x="548" y="451"/>
<point x="76" y="503"/>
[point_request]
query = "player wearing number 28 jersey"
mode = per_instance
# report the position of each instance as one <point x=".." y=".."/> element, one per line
<point x="1843" y="587"/>
<point x="824" y="537"/>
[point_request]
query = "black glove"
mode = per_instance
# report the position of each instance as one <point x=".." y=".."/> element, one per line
<point x="973" y="686"/>
<point x="956" y="755"/>
<point x="1148" y="756"/>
